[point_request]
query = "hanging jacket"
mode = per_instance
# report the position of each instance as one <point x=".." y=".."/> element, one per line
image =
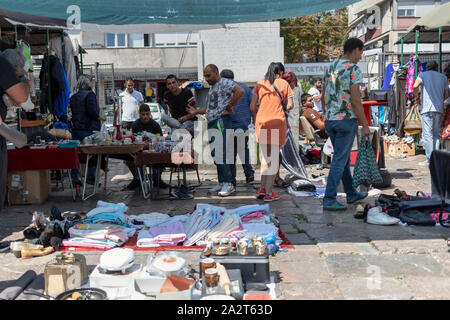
<point x="85" y="111"/>
<point x="56" y="81"/>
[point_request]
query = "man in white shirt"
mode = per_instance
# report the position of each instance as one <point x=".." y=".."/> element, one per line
<point x="131" y="100"/>
<point x="317" y="96"/>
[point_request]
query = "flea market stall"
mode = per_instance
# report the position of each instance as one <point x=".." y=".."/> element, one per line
<point x="234" y="245"/>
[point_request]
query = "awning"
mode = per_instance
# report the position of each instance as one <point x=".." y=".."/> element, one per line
<point x="428" y="26"/>
<point x="147" y="28"/>
<point x="29" y="20"/>
<point x="106" y="12"/>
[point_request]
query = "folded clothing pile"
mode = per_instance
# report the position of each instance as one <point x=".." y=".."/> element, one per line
<point x="169" y="235"/>
<point x="100" y="236"/>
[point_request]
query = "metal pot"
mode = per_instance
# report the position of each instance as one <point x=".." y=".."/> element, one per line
<point x="86" y="294"/>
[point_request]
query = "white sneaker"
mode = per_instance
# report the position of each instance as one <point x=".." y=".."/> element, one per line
<point x="423" y="163"/>
<point x="216" y="189"/>
<point x="227" y="189"/>
<point x="377" y="216"/>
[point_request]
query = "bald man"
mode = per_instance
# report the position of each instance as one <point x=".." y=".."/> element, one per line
<point x="222" y="97"/>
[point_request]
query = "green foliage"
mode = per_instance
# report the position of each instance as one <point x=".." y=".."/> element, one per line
<point x="305" y="86"/>
<point x="319" y="36"/>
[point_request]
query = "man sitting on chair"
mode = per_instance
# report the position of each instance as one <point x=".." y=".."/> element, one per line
<point x="147" y="124"/>
<point x="316" y="119"/>
<point x="177" y="100"/>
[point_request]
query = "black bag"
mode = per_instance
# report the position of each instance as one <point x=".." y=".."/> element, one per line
<point x="417" y="217"/>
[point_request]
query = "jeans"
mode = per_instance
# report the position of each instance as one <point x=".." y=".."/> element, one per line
<point x="223" y="169"/>
<point x="342" y="134"/>
<point x="80" y="135"/>
<point x="431" y="125"/>
<point x="175" y="124"/>
<point x="248" y="170"/>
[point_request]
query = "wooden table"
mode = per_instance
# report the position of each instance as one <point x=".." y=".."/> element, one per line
<point x="92" y="150"/>
<point x="43" y="159"/>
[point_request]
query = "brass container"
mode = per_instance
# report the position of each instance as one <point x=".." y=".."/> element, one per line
<point x="211" y="277"/>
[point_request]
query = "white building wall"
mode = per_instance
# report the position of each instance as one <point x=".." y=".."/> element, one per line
<point x="245" y="48"/>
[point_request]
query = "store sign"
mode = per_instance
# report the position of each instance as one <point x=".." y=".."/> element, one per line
<point x="315" y="69"/>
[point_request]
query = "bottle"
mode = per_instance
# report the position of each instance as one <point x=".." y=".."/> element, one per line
<point x="118" y="133"/>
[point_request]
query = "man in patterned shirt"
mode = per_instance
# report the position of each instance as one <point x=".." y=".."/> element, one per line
<point x="222" y="97"/>
<point x="343" y="108"/>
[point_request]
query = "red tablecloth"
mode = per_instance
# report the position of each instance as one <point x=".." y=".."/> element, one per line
<point x="42" y="159"/>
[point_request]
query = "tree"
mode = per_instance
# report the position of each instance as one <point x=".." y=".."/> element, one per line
<point x="318" y="36"/>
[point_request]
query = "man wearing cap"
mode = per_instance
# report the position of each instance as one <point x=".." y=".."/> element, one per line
<point x="434" y="87"/>
<point x="241" y="119"/>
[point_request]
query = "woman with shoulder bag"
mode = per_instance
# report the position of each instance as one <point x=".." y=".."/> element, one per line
<point x="271" y="124"/>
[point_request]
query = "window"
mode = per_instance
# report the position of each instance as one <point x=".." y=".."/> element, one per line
<point x="110" y="40"/>
<point x="406" y="12"/>
<point x="136" y="40"/>
<point x="116" y="40"/>
<point x="146" y="40"/>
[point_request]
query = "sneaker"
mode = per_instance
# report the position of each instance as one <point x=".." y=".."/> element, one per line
<point x="216" y="189"/>
<point x="377" y="216"/>
<point x="135" y="183"/>
<point x="227" y="189"/>
<point x="4" y="246"/>
<point x="424" y="163"/>
<point x="335" y="207"/>
<point x="249" y="179"/>
<point x="271" y="197"/>
<point x="261" y="193"/>
<point x="356" y="197"/>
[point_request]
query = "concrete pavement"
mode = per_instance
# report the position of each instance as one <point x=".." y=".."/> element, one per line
<point x="336" y="256"/>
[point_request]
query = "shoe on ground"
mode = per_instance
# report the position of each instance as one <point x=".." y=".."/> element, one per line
<point x="424" y="163"/>
<point x="227" y="189"/>
<point x="162" y="184"/>
<point x="4" y="246"/>
<point x="216" y="189"/>
<point x="378" y="217"/>
<point x="335" y="207"/>
<point x="135" y="183"/>
<point x="356" y="197"/>
<point x="249" y="179"/>
<point x="17" y="246"/>
<point x="271" y="197"/>
<point x="261" y="193"/>
<point x="30" y="253"/>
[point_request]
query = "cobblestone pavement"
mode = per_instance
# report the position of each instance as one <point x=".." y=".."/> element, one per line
<point x="335" y="255"/>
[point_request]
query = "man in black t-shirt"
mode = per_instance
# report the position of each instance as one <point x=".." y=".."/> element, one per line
<point x="10" y="83"/>
<point x="145" y="123"/>
<point x="177" y="100"/>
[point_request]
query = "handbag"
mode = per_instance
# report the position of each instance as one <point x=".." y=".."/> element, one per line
<point x="284" y="104"/>
<point x="413" y="124"/>
<point x="366" y="168"/>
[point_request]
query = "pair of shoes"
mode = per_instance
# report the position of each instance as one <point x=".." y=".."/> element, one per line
<point x="271" y="197"/>
<point x="176" y="193"/>
<point x="261" y="193"/>
<point x="335" y="207"/>
<point x="227" y="189"/>
<point x="377" y="216"/>
<point x="216" y="189"/>
<point x="135" y="183"/>
<point x="30" y="253"/>
<point x="162" y="184"/>
<point x="16" y="247"/>
<point x="249" y="179"/>
<point x="4" y="246"/>
<point x="359" y="196"/>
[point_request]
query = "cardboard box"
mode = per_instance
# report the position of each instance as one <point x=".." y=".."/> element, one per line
<point x="28" y="187"/>
<point x="399" y="148"/>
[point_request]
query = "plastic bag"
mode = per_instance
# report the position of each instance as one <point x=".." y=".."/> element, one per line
<point x="366" y="167"/>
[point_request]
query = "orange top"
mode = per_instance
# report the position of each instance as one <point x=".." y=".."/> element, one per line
<point x="270" y="115"/>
